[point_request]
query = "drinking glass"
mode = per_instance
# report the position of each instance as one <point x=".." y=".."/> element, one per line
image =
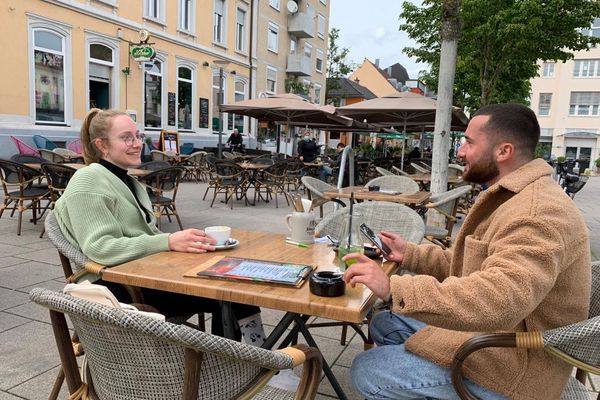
<point x="350" y="239"/>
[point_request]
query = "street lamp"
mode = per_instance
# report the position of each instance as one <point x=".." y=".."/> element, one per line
<point x="220" y="64"/>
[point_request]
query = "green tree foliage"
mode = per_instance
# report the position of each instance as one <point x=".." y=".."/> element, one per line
<point x="500" y="43"/>
<point x="337" y="65"/>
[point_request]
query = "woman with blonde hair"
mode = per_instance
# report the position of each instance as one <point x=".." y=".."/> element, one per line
<point x="108" y="216"/>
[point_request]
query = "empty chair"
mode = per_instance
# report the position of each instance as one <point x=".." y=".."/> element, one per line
<point x="42" y="142"/>
<point x="75" y="146"/>
<point x="133" y="355"/>
<point x="27" y="159"/>
<point x="228" y="156"/>
<point x="446" y="204"/>
<point x="17" y="183"/>
<point x="53" y="157"/>
<point x="154" y="165"/>
<point x="158" y="155"/>
<point x="160" y="183"/>
<point x="420" y="169"/>
<point x="196" y="167"/>
<point x="24" y="148"/>
<point x="379" y="216"/>
<point x="316" y="188"/>
<point x="68" y="154"/>
<point x="270" y="181"/>
<point x="395" y="183"/>
<point x="399" y="171"/>
<point x="186" y="149"/>
<point x="293" y="173"/>
<point x="383" y="171"/>
<point x="231" y="179"/>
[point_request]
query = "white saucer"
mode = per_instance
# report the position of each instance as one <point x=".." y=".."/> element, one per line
<point x="231" y="243"/>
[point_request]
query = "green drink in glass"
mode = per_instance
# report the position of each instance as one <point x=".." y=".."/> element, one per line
<point x="343" y="250"/>
<point x="351" y="241"/>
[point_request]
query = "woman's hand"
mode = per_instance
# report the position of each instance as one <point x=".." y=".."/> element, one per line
<point x="396" y="244"/>
<point x="191" y="241"/>
<point x="369" y="273"/>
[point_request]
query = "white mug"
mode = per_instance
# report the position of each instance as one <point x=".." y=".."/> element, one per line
<point x="302" y="226"/>
<point x="220" y="233"/>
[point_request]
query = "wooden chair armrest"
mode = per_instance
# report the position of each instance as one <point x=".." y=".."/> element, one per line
<point x="470" y="346"/>
<point x="95" y="268"/>
<point x="311" y="359"/>
<point x="98" y="269"/>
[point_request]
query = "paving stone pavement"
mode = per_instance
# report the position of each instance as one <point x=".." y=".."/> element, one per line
<point x="28" y="357"/>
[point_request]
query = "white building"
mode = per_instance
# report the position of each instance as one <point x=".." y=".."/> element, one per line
<point x="566" y="99"/>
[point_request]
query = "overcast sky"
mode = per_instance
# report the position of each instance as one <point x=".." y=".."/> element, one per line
<point x="369" y="28"/>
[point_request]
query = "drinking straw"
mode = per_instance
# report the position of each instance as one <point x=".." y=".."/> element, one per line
<point x="350" y="219"/>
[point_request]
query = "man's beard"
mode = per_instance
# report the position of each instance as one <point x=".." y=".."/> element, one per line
<point x="482" y="171"/>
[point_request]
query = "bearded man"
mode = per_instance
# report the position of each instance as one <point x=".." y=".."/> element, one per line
<point x="521" y="262"/>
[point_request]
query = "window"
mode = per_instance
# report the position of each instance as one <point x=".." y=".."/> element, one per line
<point x="49" y="66"/>
<point x="240" y="30"/>
<point x="545" y="102"/>
<point x="594" y="31"/>
<point x="308" y="50"/>
<point x="239" y="95"/>
<point x="271" y="80"/>
<point x="185" y="83"/>
<point x="546" y="132"/>
<point x="153" y="94"/>
<point x="100" y="72"/>
<point x="587" y="68"/>
<point x="317" y="93"/>
<point x="293" y="45"/>
<point x="186" y="15"/>
<point x="219" y="22"/>
<point x="274" y="4"/>
<point x="273" y="38"/>
<point x="154" y="9"/>
<point x="321" y="26"/>
<point x="548" y="69"/>
<point x="584" y="103"/>
<point x="319" y="64"/>
<point x="218" y="98"/>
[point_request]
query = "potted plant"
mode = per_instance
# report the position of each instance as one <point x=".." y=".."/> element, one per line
<point x="597" y="162"/>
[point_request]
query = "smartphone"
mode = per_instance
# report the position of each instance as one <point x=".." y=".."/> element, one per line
<point x="368" y="232"/>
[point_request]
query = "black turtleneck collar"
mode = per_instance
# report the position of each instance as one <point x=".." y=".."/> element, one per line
<point x="118" y="171"/>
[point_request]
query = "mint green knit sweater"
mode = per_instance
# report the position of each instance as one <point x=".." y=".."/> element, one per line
<point x="99" y="215"/>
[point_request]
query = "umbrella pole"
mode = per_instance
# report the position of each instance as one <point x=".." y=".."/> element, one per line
<point x="403" y="143"/>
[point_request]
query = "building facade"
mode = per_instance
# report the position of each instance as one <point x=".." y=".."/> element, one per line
<point x="161" y="61"/>
<point x="566" y="100"/>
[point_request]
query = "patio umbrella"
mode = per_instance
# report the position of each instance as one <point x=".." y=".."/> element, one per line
<point x="404" y="109"/>
<point x="288" y="108"/>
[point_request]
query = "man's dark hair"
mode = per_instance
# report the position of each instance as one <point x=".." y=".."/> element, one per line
<point x="513" y="123"/>
<point x="340" y="144"/>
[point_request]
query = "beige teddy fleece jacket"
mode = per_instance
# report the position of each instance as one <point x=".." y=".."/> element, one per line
<point x="521" y="262"/>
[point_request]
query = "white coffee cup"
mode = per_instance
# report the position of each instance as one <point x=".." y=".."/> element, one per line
<point x="220" y="233"/>
<point x="302" y="226"/>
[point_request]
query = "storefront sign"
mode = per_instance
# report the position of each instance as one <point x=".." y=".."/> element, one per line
<point x="142" y="53"/>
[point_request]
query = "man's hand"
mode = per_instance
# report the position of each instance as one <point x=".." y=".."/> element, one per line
<point x="191" y="241"/>
<point x="369" y="273"/>
<point x="396" y="244"/>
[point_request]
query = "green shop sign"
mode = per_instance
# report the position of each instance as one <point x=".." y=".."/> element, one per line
<point x="142" y="53"/>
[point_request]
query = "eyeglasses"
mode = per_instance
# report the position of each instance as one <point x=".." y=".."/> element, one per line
<point x="129" y="139"/>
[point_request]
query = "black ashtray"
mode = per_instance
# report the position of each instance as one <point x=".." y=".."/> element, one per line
<point x="374" y="188"/>
<point x="327" y="284"/>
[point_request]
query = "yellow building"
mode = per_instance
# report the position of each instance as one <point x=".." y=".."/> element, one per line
<point x="63" y="57"/>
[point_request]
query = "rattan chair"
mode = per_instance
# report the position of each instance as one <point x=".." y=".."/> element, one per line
<point x="158" y="155"/>
<point x="419" y="169"/>
<point x="316" y="188"/>
<point x="384" y="172"/>
<point x="270" y="181"/>
<point x="379" y="216"/>
<point x="24" y="148"/>
<point x="159" y="183"/>
<point x="230" y="179"/>
<point x="576" y="344"/>
<point x="395" y="183"/>
<point x="446" y="204"/>
<point x="398" y="171"/>
<point x="154" y="165"/>
<point x="53" y="157"/>
<point x="130" y="355"/>
<point x="17" y="183"/>
<point x="195" y="167"/>
<point x="293" y="174"/>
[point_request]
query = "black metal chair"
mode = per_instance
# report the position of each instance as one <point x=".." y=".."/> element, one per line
<point x="270" y="181"/>
<point x="58" y="176"/>
<point x="158" y="183"/>
<point x="17" y="183"/>
<point x="231" y="179"/>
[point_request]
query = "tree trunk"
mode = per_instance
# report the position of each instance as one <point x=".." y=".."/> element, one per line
<point x="443" y="117"/>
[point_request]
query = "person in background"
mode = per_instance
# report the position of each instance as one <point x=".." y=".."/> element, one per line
<point x="415" y="153"/>
<point x="307" y="149"/>
<point x="327" y="170"/>
<point x="520" y="263"/>
<point x="235" y="140"/>
<point x="108" y="216"/>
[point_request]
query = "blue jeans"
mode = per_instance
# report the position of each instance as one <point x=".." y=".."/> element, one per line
<point x="389" y="371"/>
<point x="325" y="172"/>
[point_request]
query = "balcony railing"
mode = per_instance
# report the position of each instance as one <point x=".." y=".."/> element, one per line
<point x="302" y="24"/>
<point x="299" y="64"/>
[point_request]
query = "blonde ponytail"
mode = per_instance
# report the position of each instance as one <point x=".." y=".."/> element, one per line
<point x="96" y="125"/>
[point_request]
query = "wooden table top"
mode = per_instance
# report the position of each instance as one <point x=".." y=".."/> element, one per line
<point x="165" y="271"/>
<point x="361" y="193"/>
<point x="250" y="165"/>
<point x="427" y="178"/>
<point x="130" y="171"/>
